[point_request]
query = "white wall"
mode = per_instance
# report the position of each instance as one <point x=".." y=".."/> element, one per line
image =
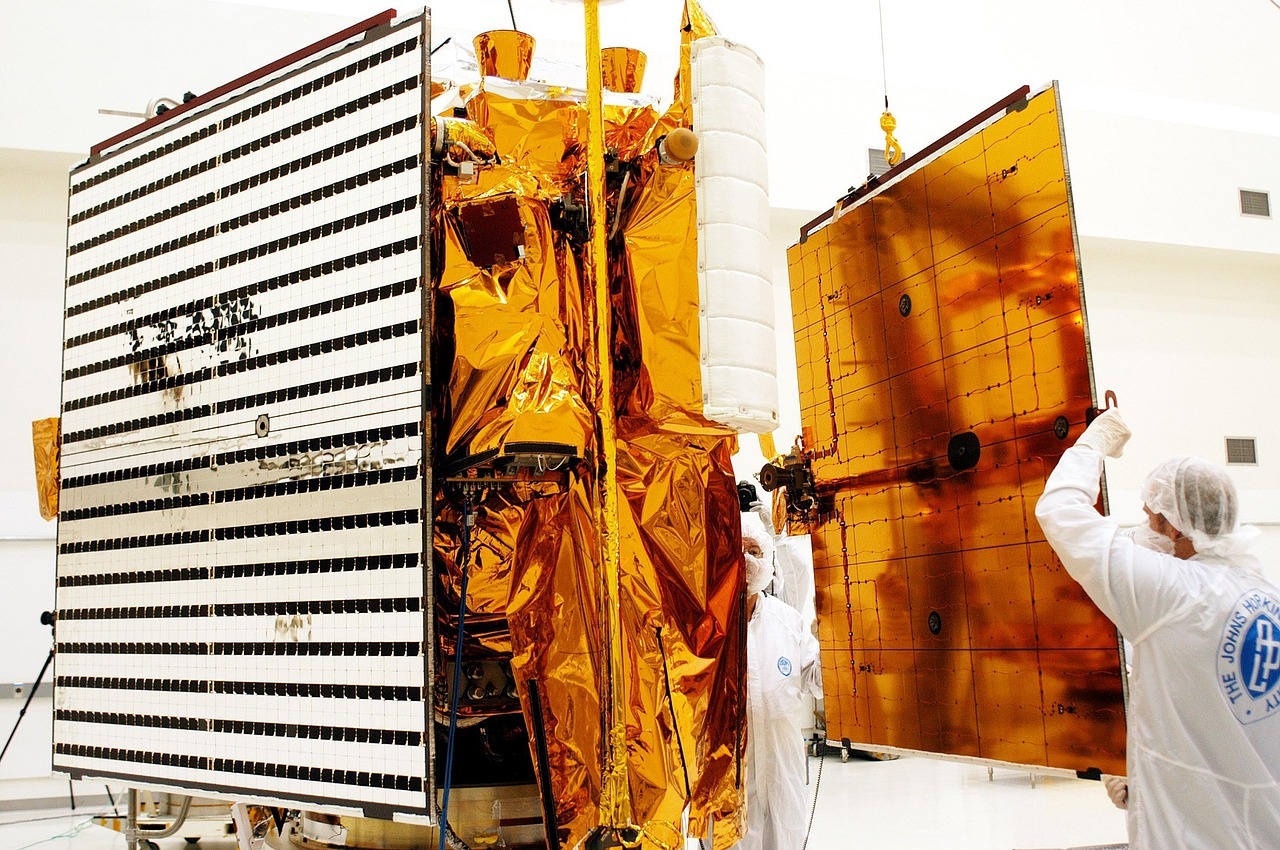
<point x="1170" y="107"/>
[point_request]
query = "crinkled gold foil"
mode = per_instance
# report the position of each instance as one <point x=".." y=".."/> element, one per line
<point x="504" y="53"/>
<point x="449" y="134"/>
<point x="46" y="440"/>
<point x="682" y="596"/>
<point x="694" y="24"/>
<point x="622" y="69"/>
<point x="517" y="363"/>
<point x="543" y="129"/>
<point x="512" y="377"/>
<point x="658" y="333"/>
<point x="554" y="615"/>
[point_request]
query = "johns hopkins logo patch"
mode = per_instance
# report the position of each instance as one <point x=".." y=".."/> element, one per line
<point x="784" y="665"/>
<point x="1249" y="657"/>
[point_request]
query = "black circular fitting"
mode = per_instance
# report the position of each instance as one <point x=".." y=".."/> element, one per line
<point x="935" y="622"/>
<point x="963" y="451"/>
<point x="904" y="306"/>
<point x="263" y="426"/>
<point x="1061" y="427"/>
<point x="772" y="477"/>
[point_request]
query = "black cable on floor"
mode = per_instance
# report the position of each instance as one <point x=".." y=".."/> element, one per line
<point x="817" y="785"/>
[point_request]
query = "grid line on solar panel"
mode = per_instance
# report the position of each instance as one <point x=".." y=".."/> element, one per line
<point x="363" y="735"/>
<point x="323" y="231"/>
<point x="313" y="444"/>
<point x="172" y="551"/>
<point x="318" y="566"/>
<point x="327" y="267"/>
<point x="304" y="690"/>
<point x="261" y="143"/>
<point x="327" y="649"/>
<point x="224" y="326"/>
<point x="171" y="503"/>
<point x="258" y="109"/>
<point x="321" y="193"/>
<point x="315" y="388"/>
<point x="288" y="608"/>
<point x="216" y="323"/>
<point x="234" y="367"/>
<point x="114" y="476"/>
<point x="238" y="532"/>
<point x="136" y="577"/>
<point x="229" y="190"/>
<point x="329" y="776"/>
<point x="123" y="315"/>
<point x="375" y="182"/>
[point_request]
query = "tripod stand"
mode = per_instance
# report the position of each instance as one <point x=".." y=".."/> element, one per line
<point x="47" y="618"/>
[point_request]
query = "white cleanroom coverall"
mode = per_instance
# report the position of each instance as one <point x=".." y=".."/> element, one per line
<point x="795" y="566"/>
<point x="1204" y="695"/>
<point x="782" y="662"/>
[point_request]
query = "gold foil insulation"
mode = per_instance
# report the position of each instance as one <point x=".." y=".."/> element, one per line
<point x="694" y="24"/>
<point x="622" y="69"/>
<point x="519" y="372"/>
<point x="504" y="53"/>
<point x="943" y="369"/>
<point x="46" y="439"/>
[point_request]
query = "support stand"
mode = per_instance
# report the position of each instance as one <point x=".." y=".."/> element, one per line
<point x="31" y="696"/>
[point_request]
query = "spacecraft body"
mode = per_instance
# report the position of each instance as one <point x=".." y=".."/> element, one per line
<point x="332" y="384"/>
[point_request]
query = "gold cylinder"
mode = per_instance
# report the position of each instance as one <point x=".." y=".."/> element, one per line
<point x="504" y="53"/>
<point x="622" y="68"/>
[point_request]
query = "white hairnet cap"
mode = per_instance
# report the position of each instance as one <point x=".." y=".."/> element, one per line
<point x="759" y="570"/>
<point x="1199" y="499"/>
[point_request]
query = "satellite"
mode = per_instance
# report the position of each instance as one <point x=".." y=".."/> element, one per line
<point x="396" y="432"/>
<point x="397" y="417"/>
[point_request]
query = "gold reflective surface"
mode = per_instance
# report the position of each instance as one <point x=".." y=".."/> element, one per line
<point x="46" y="435"/>
<point x="622" y="68"/>
<point x="504" y="53"/>
<point x="517" y="364"/>
<point x="949" y="303"/>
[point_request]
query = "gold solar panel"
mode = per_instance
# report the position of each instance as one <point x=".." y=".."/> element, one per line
<point x="943" y="369"/>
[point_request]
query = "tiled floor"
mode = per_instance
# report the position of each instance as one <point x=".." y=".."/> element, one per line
<point x="907" y="804"/>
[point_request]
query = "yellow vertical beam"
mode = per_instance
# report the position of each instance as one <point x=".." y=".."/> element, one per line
<point x="615" y="797"/>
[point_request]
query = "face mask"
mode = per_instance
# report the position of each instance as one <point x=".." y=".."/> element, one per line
<point x="759" y="573"/>
<point x="1148" y="539"/>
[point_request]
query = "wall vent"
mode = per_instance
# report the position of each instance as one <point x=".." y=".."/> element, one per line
<point x="875" y="160"/>
<point x="1255" y="203"/>
<point x="1242" y="451"/>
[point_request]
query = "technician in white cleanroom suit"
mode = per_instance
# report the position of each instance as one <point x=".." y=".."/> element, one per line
<point x="782" y="661"/>
<point x="793" y="564"/>
<point x="1204" y="695"/>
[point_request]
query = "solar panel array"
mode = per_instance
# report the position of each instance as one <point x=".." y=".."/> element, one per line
<point x="242" y="594"/>
<point x="943" y="369"/>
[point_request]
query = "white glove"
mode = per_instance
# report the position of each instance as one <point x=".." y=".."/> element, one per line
<point x="762" y="510"/>
<point x="1106" y="434"/>
<point x="1118" y="791"/>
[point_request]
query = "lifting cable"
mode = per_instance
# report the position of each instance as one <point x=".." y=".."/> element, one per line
<point x="892" y="150"/>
